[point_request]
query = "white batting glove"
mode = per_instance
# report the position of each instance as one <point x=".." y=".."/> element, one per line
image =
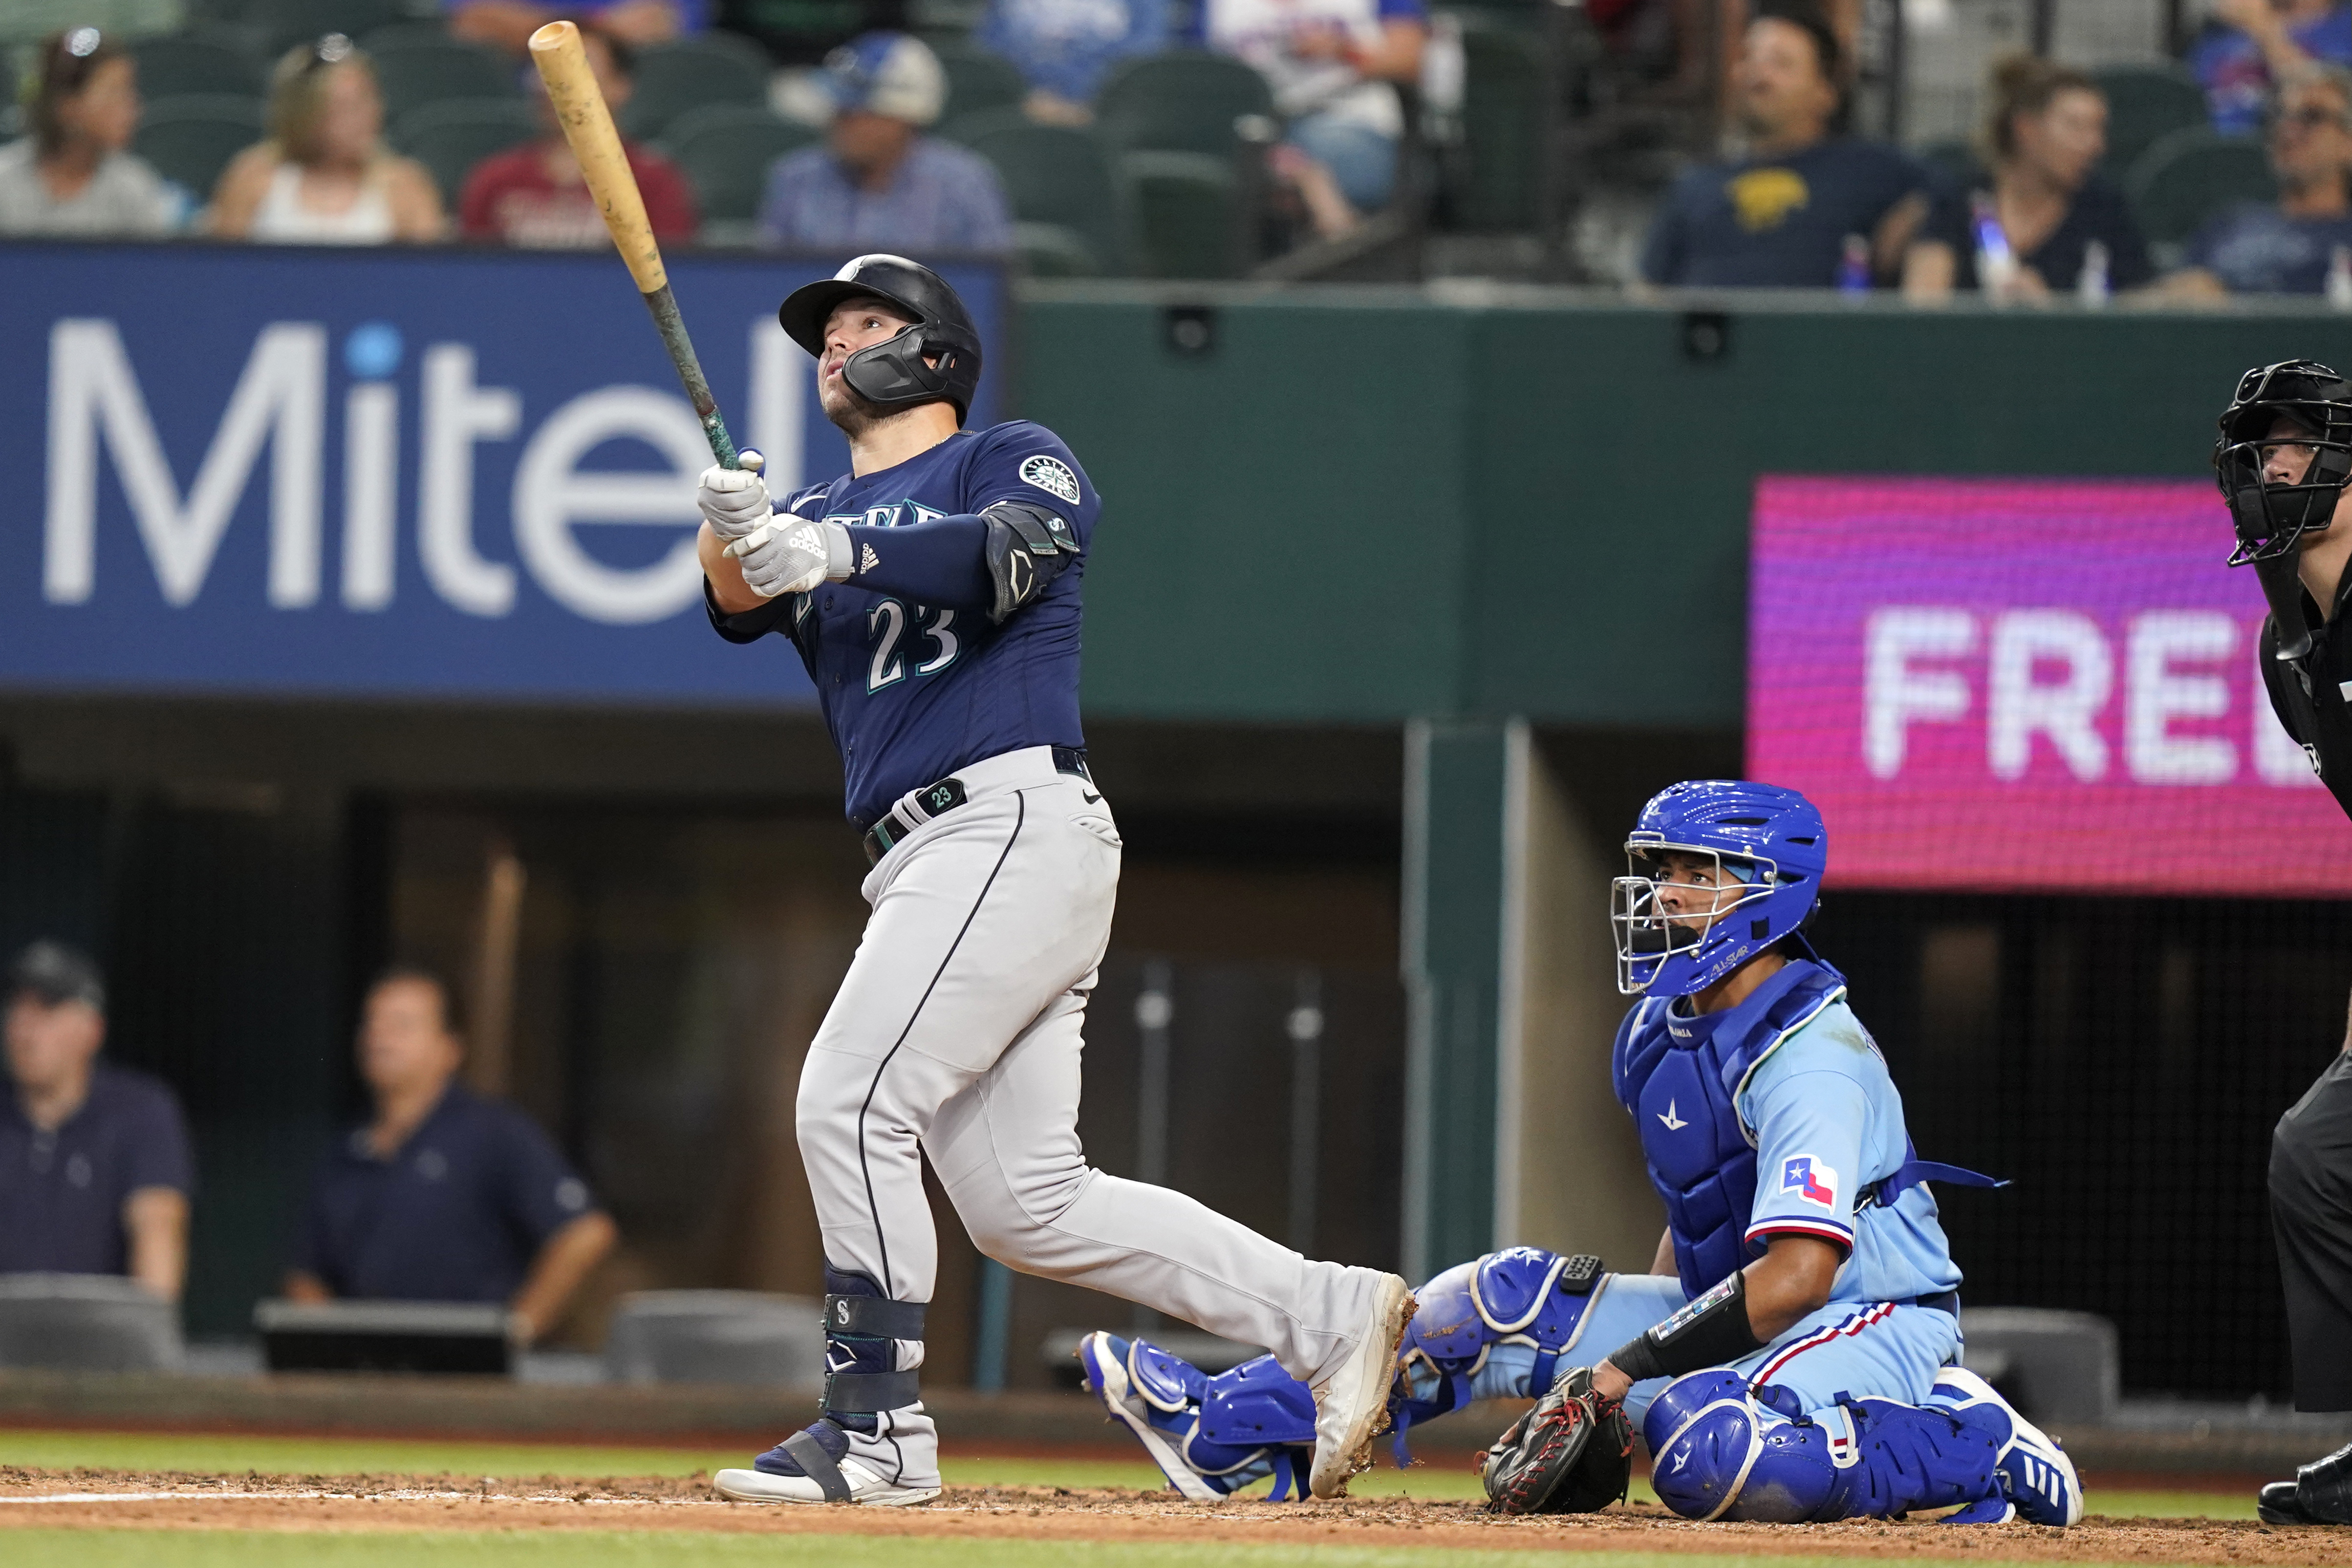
<point x="734" y="501"/>
<point x="792" y="555"/>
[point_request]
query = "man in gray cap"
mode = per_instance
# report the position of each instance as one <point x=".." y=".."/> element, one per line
<point x="94" y="1167"/>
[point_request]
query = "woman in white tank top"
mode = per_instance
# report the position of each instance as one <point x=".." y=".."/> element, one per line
<point x="323" y="177"/>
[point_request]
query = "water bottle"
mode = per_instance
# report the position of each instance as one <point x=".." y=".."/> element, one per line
<point x="2339" y="278"/>
<point x="1854" y="266"/>
<point x="2091" y="287"/>
<point x="1996" y="263"/>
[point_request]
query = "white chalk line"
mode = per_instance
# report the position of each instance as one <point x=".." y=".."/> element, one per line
<point x="314" y="1495"/>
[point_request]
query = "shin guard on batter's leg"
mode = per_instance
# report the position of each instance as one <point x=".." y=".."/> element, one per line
<point x="858" y="1449"/>
<point x="1719" y="1452"/>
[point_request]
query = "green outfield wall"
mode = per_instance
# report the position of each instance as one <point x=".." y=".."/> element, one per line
<point x="1382" y="504"/>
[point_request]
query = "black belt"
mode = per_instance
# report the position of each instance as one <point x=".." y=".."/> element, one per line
<point x="937" y="800"/>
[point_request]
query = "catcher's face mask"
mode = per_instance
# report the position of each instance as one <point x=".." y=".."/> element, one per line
<point x="1671" y="898"/>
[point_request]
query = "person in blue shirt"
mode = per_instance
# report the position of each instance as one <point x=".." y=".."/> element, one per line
<point x="2252" y="49"/>
<point x="1793" y="1354"/>
<point x="933" y="593"/>
<point x="95" y="1174"/>
<point x="508" y="25"/>
<point x="2254" y="247"/>
<point x="1781" y="215"/>
<point x="443" y="1196"/>
<point x="1065" y="47"/>
<point x="878" y="183"/>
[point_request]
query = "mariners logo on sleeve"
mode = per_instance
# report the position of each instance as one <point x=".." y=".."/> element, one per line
<point x="1809" y="1179"/>
<point x="1052" y="475"/>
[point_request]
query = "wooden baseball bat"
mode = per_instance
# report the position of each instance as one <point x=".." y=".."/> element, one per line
<point x="587" y="122"/>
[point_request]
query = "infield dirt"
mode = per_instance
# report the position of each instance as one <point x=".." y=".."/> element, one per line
<point x="177" y="1500"/>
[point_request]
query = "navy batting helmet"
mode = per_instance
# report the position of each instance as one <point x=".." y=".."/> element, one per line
<point x="894" y="374"/>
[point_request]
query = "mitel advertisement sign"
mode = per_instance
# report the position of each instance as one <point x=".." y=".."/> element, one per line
<point x="2027" y="683"/>
<point x="388" y="472"/>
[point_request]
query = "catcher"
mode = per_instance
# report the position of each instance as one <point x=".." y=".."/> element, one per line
<point x="1793" y="1355"/>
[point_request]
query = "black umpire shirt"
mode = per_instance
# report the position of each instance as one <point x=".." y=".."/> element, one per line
<point x="2313" y="696"/>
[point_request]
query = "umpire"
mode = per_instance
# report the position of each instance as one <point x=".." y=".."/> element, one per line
<point x="2283" y="460"/>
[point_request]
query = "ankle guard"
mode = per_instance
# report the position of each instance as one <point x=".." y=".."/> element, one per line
<point x="861" y="1327"/>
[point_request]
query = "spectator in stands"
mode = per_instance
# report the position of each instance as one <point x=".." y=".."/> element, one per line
<point x="2256" y="248"/>
<point x="1783" y="217"/>
<point x="94" y="1167"/>
<point x="1065" y="47"/>
<point x="72" y="175"/>
<point x="445" y="1196"/>
<point x="1334" y="66"/>
<point x="324" y="177"/>
<point x="798" y="35"/>
<point x="2252" y="48"/>
<point x="25" y="23"/>
<point x="508" y="25"/>
<point x="878" y="183"/>
<point x="2033" y="221"/>
<point x="534" y="195"/>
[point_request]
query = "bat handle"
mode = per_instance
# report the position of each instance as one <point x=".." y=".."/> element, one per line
<point x="672" y="326"/>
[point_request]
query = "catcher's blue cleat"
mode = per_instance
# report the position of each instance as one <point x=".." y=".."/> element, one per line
<point x="1210" y="1435"/>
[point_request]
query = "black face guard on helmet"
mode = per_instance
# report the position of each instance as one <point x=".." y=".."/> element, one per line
<point x="893" y="375"/>
<point x="2272" y="519"/>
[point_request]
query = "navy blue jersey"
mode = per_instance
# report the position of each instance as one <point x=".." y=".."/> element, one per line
<point x="913" y="680"/>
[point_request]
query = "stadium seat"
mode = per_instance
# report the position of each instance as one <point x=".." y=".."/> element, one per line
<point x="677" y="79"/>
<point x="1187" y="217"/>
<point x="282" y="23"/>
<point x="450" y="138"/>
<point x="716" y="1336"/>
<point x="2146" y="104"/>
<point x="86" y="1322"/>
<point x="200" y="60"/>
<point x="191" y="139"/>
<point x="1506" y="128"/>
<point x="1952" y="159"/>
<point x="2190" y="174"/>
<point x="1055" y="174"/>
<point x="1049" y="250"/>
<point x="1184" y="101"/>
<point x="979" y="81"/>
<point x="726" y="149"/>
<point x="416" y="72"/>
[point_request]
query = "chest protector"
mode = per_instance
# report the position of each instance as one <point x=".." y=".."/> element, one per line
<point x="1680" y="1089"/>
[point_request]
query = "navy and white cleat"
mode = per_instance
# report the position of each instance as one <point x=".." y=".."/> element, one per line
<point x="816" y="1464"/>
<point x="1210" y="1437"/>
<point x="2035" y="1473"/>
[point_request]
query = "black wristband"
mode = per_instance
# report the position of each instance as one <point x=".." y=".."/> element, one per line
<point x="1712" y="1331"/>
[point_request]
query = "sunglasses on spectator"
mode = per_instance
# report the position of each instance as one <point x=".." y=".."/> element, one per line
<point x="2307" y="119"/>
<point x="331" y="50"/>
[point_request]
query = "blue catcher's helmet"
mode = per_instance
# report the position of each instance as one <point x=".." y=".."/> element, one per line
<point x="1766" y="849"/>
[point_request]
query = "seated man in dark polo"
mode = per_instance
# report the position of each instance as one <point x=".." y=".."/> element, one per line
<point x="94" y="1167"/>
<point x="1781" y="215"/>
<point x="445" y="1196"/>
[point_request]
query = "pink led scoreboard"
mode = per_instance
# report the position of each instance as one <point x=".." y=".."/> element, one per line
<point x="2045" y="684"/>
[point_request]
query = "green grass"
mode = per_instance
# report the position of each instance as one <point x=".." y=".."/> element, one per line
<point x="1449" y="1478"/>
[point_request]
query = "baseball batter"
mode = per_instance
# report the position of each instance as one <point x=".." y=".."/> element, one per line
<point x="1792" y="1355"/>
<point x="932" y="591"/>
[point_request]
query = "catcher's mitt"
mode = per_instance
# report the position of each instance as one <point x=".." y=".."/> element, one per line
<point x="1573" y="1453"/>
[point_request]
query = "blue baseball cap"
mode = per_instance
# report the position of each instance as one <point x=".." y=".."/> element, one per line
<point x="890" y="74"/>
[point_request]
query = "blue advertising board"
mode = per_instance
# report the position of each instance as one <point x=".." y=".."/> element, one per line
<point x="388" y="472"/>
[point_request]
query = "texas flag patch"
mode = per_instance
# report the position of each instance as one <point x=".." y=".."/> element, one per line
<point x="1809" y="1179"/>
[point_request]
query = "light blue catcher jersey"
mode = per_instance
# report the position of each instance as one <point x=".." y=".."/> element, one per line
<point x="1827" y="1124"/>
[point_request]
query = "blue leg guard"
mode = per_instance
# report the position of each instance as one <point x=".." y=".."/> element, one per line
<point x="1519" y="1296"/>
<point x="1717" y="1453"/>
<point x="860" y="1380"/>
<point x="1210" y="1435"/>
<point x="2036" y="1476"/>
